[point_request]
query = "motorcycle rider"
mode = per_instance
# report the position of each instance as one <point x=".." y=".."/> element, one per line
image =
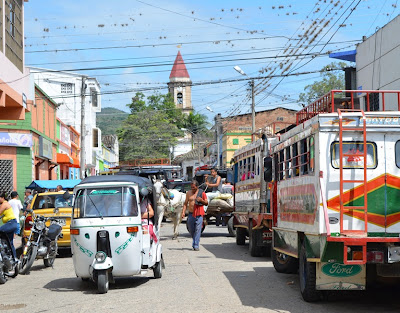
<point x="10" y="224"/>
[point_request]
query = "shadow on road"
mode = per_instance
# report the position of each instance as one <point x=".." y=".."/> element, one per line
<point x="89" y="287"/>
<point x="265" y="288"/>
<point x="231" y="251"/>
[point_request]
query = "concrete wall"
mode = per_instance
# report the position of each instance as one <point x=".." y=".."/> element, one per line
<point x="378" y="63"/>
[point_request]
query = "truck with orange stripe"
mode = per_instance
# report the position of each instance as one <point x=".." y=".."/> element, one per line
<point x="335" y="190"/>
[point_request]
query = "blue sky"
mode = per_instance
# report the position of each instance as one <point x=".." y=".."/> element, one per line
<point x="212" y="36"/>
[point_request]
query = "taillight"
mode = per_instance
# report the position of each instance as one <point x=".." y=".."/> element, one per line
<point x="28" y="222"/>
<point x="74" y="231"/>
<point x="133" y="229"/>
<point x="375" y="257"/>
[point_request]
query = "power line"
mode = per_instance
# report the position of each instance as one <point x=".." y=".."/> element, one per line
<point x="155" y="45"/>
<point x="235" y="52"/>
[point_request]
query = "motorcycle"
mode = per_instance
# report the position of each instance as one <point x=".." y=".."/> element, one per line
<point x="8" y="264"/>
<point x="41" y="243"/>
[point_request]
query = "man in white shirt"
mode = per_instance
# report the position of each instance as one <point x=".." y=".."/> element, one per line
<point x="16" y="206"/>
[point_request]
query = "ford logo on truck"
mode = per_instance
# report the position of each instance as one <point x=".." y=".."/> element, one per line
<point x="340" y="270"/>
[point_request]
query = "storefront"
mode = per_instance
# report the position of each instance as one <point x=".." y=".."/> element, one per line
<point x="15" y="160"/>
<point x="44" y="159"/>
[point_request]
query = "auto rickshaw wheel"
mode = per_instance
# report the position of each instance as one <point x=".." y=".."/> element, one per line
<point x="102" y="281"/>
<point x="157" y="270"/>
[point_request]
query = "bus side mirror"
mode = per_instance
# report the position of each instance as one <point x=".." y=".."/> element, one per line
<point x="268" y="169"/>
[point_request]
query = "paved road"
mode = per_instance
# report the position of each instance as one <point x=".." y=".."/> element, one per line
<point x="221" y="277"/>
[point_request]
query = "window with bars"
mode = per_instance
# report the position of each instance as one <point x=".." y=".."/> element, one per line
<point x="66" y="88"/>
<point x="295" y="160"/>
<point x="6" y="177"/>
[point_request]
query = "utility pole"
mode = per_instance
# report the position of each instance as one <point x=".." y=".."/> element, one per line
<point x="253" y="111"/>
<point x="217" y="127"/>
<point x="83" y="128"/>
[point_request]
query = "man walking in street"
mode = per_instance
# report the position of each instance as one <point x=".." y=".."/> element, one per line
<point x="194" y="202"/>
<point x="17" y="207"/>
<point x="28" y="198"/>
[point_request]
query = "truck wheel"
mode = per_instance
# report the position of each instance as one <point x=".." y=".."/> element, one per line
<point x="241" y="236"/>
<point x="231" y="230"/>
<point x="284" y="263"/>
<point x="307" y="275"/>
<point x="102" y="281"/>
<point x="255" y="236"/>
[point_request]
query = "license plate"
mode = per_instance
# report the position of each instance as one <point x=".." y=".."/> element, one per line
<point x="61" y="222"/>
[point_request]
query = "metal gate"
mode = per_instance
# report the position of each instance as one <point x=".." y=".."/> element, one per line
<point x="6" y="176"/>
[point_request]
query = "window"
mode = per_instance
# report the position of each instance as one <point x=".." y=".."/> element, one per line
<point x="397" y="153"/>
<point x="288" y="163"/>
<point x="304" y="157"/>
<point x="235" y="141"/>
<point x="179" y="98"/>
<point x="106" y="202"/>
<point x="66" y="88"/>
<point x="374" y="101"/>
<point x="279" y="118"/>
<point x="296" y="160"/>
<point x="93" y="95"/>
<point x="12" y="18"/>
<point x="352" y="154"/>
<point x="95" y="134"/>
<point x="281" y="160"/>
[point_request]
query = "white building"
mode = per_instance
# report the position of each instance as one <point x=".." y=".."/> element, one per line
<point x="65" y="88"/>
<point x="378" y="65"/>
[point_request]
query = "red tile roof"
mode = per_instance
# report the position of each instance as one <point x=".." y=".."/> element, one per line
<point x="179" y="68"/>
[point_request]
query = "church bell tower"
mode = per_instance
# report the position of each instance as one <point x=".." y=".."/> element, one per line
<point x="179" y="85"/>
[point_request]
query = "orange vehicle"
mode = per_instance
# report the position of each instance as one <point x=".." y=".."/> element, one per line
<point x="51" y="204"/>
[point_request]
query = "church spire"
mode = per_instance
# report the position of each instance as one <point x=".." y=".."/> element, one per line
<point x="179" y="69"/>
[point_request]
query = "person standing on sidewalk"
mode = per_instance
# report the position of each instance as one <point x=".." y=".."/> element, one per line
<point x="10" y="222"/>
<point x="194" y="202"/>
<point x="17" y="207"/>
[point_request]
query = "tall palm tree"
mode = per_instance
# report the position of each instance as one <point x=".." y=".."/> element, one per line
<point x="196" y="124"/>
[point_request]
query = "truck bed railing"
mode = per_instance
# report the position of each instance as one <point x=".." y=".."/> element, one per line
<point x="366" y="100"/>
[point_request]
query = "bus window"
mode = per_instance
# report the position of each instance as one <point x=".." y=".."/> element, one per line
<point x="312" y="154"/>
<point x="397" y="153"/>
<point x="296" y="168"/>
<point x="304" y="157"/>
<point x="352" y="151"/>
<point x="281" y="161"/>
<point x="288" y="163"/>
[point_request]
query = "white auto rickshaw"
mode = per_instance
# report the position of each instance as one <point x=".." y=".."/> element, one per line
<point x="107" y="236"/>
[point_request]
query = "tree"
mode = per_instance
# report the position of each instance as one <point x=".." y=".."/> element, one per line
<point x="147" y="134"/>
<point x="330" y="80"/>
<point x="197" y="124"/>
<point x="151" y="128"/>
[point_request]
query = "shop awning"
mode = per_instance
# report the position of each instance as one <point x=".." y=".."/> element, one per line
<point x="64" y="159"/>
<point x="52" y="184"/>
<point x="75" y="162"/>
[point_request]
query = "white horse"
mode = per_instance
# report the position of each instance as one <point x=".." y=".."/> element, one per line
<point x="168" y="206"/>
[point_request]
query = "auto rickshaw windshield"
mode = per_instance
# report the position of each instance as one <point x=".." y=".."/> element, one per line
<point x="105" y="202"/>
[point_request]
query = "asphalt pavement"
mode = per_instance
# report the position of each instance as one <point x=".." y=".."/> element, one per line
<point x="221" y="277"/>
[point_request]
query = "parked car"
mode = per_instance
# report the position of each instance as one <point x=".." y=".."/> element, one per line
<point x="51" y="204"/>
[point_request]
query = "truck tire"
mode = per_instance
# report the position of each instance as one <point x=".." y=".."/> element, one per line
<point x="307" y="275"/>
<point x="255" y="236"/>
<point x="284" y="263"/>
<point x="241" y="236"/>
<point x="231" y="229"/>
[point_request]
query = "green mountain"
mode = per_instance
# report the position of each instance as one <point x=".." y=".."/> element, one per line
<point x="110" y="119"/>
